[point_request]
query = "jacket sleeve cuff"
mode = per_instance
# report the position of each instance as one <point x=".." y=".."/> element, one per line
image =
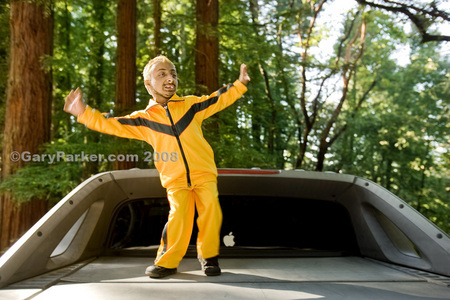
<point x="85" y="116"/>
<point x="240" y="86"/>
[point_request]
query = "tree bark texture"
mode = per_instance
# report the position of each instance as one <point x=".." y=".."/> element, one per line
<point x="207" y="46"/>
<point x="28" y="108"/>
<point x="207" y="59"/>
<point x="126" y="55"/>
<point x="157" y="27"/>
<point x="126" y="64"/>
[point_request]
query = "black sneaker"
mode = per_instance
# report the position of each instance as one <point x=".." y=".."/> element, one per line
<point x="159" y="272"/>
<point x="210" y="266"/>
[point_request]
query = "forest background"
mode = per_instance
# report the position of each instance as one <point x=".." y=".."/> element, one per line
<point x="355" y="87"/>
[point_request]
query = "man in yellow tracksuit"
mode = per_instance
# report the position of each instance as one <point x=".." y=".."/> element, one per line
<point x="172" y="125"/>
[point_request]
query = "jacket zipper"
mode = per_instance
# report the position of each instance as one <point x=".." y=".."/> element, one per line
<point x="175" y="132"/>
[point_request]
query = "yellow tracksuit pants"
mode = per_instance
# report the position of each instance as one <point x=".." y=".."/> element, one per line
<point x="177" y="232"/>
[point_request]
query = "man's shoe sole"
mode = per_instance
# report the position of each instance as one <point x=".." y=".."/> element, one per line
<point x="167" y="272"/>
<point x="213" y="273"/>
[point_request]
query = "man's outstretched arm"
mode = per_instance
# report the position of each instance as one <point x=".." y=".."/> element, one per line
<point x="95" y="120"/>
<point x="226" y="95"/>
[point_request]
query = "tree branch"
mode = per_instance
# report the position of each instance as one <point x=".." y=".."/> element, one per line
<point x="419" y="16"/>
<point x="353" y="114"/>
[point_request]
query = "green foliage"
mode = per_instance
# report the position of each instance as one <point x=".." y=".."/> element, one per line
<point x="42" y="181"/>
<point x="400" y="137"/>
<point x="396" y="136"/>
<point x="62" y="165"/>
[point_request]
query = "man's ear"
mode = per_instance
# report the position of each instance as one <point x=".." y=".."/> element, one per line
<point x="149" y="88"/>
<point x="148" y="84"/>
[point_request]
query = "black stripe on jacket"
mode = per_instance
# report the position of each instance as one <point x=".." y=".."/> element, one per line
<point x="183" y="123"/>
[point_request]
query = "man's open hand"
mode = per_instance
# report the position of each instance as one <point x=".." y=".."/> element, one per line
<point x="243" y="77"/>
<point x="74" y="103"/>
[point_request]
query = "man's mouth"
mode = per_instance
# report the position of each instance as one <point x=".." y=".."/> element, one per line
<point x="169" y="87"/>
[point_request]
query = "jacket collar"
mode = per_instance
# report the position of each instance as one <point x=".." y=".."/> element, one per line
<point x="175" y="98"/>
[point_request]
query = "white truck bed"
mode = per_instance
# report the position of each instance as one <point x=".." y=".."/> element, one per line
<point x="298" y="235"/>
<point x="242" y="278"/>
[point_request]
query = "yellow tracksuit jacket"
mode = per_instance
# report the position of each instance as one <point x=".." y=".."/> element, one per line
<point x="174" y="129"/>
<point x="189" y="173"/>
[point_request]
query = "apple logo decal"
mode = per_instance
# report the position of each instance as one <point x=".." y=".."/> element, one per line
<point x="228" y="240"/>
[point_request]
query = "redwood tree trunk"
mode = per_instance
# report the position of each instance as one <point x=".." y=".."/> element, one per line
<point x="126" y="64"/>
<point x="207" y="46"/>
<point x="94" y="86"/>
<point x="157" y="28"/>
<point x="28" y="107"/>
<point x="207" y="59"/>
<point x="126" y="55"/>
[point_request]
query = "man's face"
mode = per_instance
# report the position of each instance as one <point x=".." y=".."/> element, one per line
<point x="163" y="81"/>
